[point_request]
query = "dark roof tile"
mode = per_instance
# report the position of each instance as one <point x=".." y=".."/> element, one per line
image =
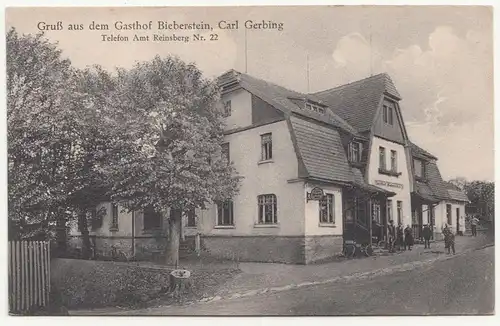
<point x="358" y="102"/>
<point x="321" y="151"/>
<point x="284" y="99"/>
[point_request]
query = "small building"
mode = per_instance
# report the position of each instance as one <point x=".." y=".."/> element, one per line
<point x="318" y="170"/>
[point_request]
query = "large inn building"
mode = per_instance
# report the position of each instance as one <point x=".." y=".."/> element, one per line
<point x="318" y="169"/>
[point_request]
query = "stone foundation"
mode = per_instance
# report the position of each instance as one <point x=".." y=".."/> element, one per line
<point x="146" y="247"/>
<point x="273" y="249"/>
<point x="322" y="247"/>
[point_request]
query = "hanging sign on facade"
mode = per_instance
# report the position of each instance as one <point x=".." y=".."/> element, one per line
<point x="315" y="194"/>
<point x="388" y="184"/>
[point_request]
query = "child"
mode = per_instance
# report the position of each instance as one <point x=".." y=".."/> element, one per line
<point x="449" y="239"/>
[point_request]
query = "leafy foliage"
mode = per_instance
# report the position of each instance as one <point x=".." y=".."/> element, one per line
<point x="481" y="195"/>
<point x="149" y="137"/>
<point x="171" y="135"/>
<point x="37" y="80"/>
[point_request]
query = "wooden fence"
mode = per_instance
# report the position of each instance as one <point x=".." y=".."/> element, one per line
<point x="29" y="275"/>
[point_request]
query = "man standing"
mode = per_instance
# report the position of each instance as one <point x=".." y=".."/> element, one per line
<point x="392" y="235"/>
<point x="473" y="224"/>
<point x="400" y="237"/>
<point x="426" y="233"/>
<point x="408" y="237"/>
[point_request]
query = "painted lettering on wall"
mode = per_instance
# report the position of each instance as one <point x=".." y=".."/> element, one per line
<point x="388" y="184"/>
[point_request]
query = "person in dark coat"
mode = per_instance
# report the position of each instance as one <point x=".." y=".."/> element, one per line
<point x="449" y="239"/>
<point x="400" y="237"/>
<point x="392" y="235"/>
<point x="427" y="233"/>
<point x="408" y="237"/>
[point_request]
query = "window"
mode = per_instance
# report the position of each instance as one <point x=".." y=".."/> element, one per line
<point x="225" y="213"/>
<point x="225" y="152"/>
<point x="389" y="209"/>
<point x="151" y="219"/>
<point x="268" y="209"/>
<point x="362" y="211"/>
<point x="267" y="147"/>
<point x="388" y="115"/>
<point x="419" y="168"/>
<point x="327" y="209"/>
<point x="227" y="108"/>
<point x="114" y="216"/>
<point x="394" y="161"/>
<point x="96" y="219"/>
<point x="355" y="151"/>
<point x="376" y="211"/>
<point x="381" y="151"/>
<point x="191" y="218"/>
<point x="400" y="211"/>
<point x="448" y="214"/>
<point x="315" y="108"/>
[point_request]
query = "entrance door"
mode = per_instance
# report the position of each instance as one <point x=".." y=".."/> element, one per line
<point x="458" y="220"/>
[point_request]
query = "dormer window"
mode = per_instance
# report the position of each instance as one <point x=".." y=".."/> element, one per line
<point x="419" y="168"/>
<point x="388" y="115"/>
<point x="315" y="108"/>
<point x="355" y="151"/>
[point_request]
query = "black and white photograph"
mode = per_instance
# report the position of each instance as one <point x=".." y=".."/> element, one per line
<point x="250" y="161"/>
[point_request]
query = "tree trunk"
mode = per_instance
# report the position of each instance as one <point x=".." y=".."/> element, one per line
<point x="84" y="230"/>
<point x="173" y="242"/>
<point x="61" y="236"/>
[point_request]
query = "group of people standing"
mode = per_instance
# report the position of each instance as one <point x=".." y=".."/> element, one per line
<point x="399" y="237"/>
<point x="402" y="238"/>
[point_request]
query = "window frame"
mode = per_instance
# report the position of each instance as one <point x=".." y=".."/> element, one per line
<point x="449" y="215"/>
<point x="388" y="114"/>
<point x="389" y="210"/>
<point x="382" y="158"/>
<point x="328" y="203"/>
<point x="262" y="206"/>
<point x="146" y="226"/>
<point x="220" y="218"/>
<point x="399" y="208"/>
<point x="114" y="217"/>
<point x="191" y="216"/>
<point x="266" y="146"/>
<point x="353" y="147"/>
<point x="421" y="169"/>
<point x="376" y="211"/>
<point x="315" y="108"/>
<point x="394" y="161"/>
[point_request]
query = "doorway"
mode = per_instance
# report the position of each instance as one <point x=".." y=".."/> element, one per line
<point x="458" y="221"/>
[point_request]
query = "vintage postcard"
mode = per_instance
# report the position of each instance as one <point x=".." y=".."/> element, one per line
<point x="250" y="161"/>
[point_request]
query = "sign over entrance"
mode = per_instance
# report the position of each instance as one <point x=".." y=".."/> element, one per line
<point x="388" y="184"/>
<point x="315" y="194"/>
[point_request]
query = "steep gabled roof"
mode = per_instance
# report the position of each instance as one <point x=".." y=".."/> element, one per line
<point x="284" y="99"/>
<point x="424" y="191"/>
<point x="455" y="193"/>
<point x="419" y="152"/>
<point x="435" y="181"/>
<point x="320" y="150"/>
<point x="358" y="102"/>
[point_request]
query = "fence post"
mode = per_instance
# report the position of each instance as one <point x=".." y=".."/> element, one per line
<point x="31" y="276"/>
<point x="23" y="278"/>
<point x="18" y="276"/>
<point x="42" y="274"/>
<point x="10" y="277"/>
<point x="47" y="274"/>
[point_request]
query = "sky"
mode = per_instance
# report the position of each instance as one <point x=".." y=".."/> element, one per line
<point x="440" y="59"/>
